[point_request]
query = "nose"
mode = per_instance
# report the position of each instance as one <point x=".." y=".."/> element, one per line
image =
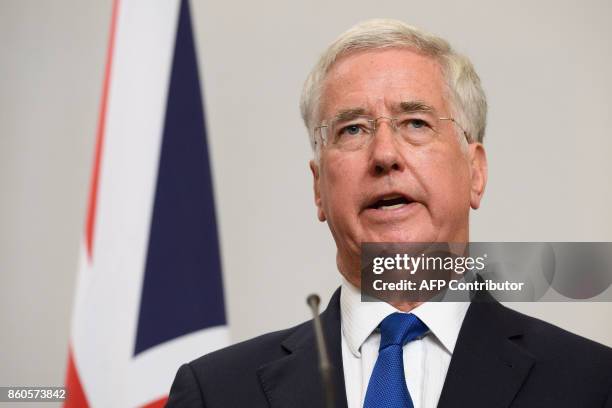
<point x="385" y="154"/>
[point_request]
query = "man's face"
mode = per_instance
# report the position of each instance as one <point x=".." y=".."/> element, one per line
<point x="391" y="190"/>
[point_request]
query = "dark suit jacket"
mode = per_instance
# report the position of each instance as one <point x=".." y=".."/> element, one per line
<point x="502" y="359"/>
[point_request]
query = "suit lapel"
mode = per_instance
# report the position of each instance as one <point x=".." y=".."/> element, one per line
<point x="294" y="380"/>
<point x="488" y="366"/>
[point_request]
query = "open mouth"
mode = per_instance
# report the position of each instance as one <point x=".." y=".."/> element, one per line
<point x="390" y="203"/>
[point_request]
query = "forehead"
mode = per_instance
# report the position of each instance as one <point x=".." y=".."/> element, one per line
<point x="378" y="80"/>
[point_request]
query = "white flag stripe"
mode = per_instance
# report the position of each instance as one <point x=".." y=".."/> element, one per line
<point x="108" y="290"/>
<point x="165" y="359"/>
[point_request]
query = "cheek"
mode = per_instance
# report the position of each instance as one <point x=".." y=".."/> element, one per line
<point x="340" y="183"/>
<point x="447" y="183"/>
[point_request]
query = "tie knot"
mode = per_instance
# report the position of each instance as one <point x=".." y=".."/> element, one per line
<point x="399" y="329"/>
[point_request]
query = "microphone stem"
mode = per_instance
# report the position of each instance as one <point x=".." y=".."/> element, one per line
<point x="324" y="364"/>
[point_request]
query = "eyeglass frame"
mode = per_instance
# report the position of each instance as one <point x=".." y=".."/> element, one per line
<point x="374" y="123"/>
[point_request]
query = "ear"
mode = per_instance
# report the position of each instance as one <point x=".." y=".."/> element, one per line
<point x="316" y="179"/>
<point x="478" y="173"/>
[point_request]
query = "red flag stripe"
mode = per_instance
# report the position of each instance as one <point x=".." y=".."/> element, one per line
<point x="74" y="390"/>
<point x="160" y="403"/>
<point x="93" y="188"/>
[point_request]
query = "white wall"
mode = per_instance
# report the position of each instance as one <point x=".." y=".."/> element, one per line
<point x="545" y="67"/>
<point x="51" y="68"/>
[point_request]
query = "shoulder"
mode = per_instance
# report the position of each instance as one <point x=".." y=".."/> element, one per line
<point x="232" y="376"/>
<point x="566" y="361"/>
<point x="549" y="341"/>
<point x="214" y="379"/>
<point x="562" y="360"/>
<point x="559" y="368"/>
<point x="251" y="353"/>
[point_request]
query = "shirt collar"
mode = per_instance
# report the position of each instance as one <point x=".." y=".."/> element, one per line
<point x="360" y="319"/>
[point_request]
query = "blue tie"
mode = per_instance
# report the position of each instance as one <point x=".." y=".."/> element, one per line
<point x="387" y="387"/>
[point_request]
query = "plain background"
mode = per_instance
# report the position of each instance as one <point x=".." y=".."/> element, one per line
<point x="544" y="65"/>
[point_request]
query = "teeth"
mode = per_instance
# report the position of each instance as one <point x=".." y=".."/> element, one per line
<point x="391" y="207"/>
<point x="391" y="197"/>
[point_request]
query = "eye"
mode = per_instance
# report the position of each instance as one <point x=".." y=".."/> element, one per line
<point x="352" y="130"/>
<point x="416" y="131"/>
<point x="416" y="123"/>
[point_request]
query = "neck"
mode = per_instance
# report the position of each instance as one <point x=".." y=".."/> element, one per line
<point x="405" y="306"/>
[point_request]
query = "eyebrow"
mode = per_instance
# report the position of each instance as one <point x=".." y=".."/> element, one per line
<point x="402" y="107"/>
<point x="350" y="113"/>
<point x="415" y="106"/>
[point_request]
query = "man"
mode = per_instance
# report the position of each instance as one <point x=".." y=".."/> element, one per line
<point x="396" y="120"/>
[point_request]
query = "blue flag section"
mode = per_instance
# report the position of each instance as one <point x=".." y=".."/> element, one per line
<point x="182" y="289"/>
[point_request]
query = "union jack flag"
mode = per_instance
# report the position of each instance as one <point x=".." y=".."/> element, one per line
<point x="149" y="290"/>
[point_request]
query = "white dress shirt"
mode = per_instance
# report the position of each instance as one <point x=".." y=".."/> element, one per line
<point x="426" y="360"/>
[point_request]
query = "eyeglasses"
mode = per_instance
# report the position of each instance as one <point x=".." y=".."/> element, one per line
<point x="356" y="132"/>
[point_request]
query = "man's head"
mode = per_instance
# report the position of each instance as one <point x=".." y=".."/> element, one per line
<point x="396" y="120"/>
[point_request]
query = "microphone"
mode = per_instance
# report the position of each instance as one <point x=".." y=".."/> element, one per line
<point x="324" y="365"/>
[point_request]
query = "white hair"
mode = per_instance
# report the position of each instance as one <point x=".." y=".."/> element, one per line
<point x="467" y="99"/>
